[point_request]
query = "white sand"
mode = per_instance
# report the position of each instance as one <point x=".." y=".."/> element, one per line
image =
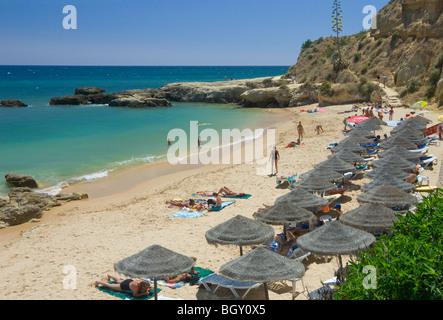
<point x="92" y="235"/>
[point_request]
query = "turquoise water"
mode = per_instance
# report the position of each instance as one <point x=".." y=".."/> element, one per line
<point x="57" y="144"/>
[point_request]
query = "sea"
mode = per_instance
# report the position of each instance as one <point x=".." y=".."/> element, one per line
<point x="59" y="145"/>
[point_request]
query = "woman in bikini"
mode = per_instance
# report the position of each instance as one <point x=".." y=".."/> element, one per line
<point x="137" y="287"/>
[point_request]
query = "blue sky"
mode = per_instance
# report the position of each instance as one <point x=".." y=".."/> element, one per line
<point x="168" y="32"/>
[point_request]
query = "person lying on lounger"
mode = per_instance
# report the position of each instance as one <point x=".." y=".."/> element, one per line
<point x="229" y="193"/>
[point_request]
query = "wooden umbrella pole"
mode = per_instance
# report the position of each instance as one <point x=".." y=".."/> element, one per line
<point x="241" y="250"/>
<point x="155" y="288"/>
<point x="266" y="291"/>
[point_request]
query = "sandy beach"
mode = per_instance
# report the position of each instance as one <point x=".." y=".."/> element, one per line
<point x="126" y="213"/>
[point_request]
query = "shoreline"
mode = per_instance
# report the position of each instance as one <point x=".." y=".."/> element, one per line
<point x="94" y="234"/>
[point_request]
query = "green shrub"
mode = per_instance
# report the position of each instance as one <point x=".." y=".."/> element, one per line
<point x="325" y="87"/>
<point x="307" y="44"/>
<point x="357" y="56"/>
<point x="408" y="263"/>
<point x="413" y="86"/>
<point x="364" y="69"/>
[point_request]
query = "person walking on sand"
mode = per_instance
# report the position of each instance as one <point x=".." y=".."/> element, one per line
<point x="384" y="81"/>
<point x="301" y="131"/>
<point x="199" y="141"/>
<point x="275" y="156"/>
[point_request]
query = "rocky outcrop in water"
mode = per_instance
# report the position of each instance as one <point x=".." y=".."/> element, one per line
<point x="20" y="180"/>
<point x="12" y="103"/>
<point x="130" y="98"/>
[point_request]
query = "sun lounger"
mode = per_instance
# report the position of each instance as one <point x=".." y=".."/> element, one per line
<point x="428" y="161"/>
<point x="332" y="197"/>
<point x="289" y="180"/>
<point x="428" y="189"/>
<point x="221" y="282"/>
<point x="321" y="293"/>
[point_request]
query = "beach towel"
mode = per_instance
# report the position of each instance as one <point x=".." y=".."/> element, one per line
<point x="125" y="295"/>
<point x="188" y="214"/>
<point x="224" y="205"/>
<point x="209" y="194"/>
<point x="202" y="273"/>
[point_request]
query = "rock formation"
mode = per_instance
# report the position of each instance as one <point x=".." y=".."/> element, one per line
<point x="20" y="180"/>
<point x="130" y="98"/>
<point x="25" y="204"/>
<point x="12" y="103"/>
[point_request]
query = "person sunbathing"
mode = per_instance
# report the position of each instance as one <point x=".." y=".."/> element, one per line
<point x="138" y="287"/>
<point x="229" y="193"/>
<point x="185" y="276"/>
<point x="187" y="204"/>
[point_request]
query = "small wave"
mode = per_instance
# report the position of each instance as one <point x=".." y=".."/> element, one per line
<point x="93" y="176"/>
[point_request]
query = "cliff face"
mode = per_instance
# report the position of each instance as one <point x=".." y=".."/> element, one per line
<point x="407" y="47"/>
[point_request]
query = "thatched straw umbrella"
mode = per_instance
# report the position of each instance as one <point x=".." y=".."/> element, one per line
<point x="154" y="262"/>
<point x="324" y="173"/>
<point x="386" y="178"/>
<point x="335" y="239"/>
<point x="407" y="128"/>
<point x="315" y="184"/>
<point x="370" y="215"/>
<point x="347" y="156"/>
<point x="360" y="132"/>
<point x="349" y="145"/>
<point x="398" y="140"/>
<point x="336" y="164"/>
<point x="358" y="139"/>
<point x="388" y="169"/>
<point x="409" y="134"/>
<point x="284" y="213"/>
<point x="369" y="125"/>
<point x="261" y="266"/>
<point x="399" y="151"/>
<point x="240" y="231"/>
<point x="388" y="196"/>
<point x="302" y="198"/>
<point x="393" y="159"/>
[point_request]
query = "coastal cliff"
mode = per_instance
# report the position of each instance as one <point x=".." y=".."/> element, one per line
<point x="406" y="46"/>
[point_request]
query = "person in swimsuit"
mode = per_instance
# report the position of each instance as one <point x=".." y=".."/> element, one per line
<point x="215" y="202"/>
<point x="275" y="156"/>
<point x="137" y="287"/>
<point x="301" y="131"/>
<point x="229" y="193"/>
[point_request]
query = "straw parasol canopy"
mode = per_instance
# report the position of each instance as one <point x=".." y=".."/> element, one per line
<point x="399" y="151"/>
<point x="387" y="178"/>
<point x="406" y="128"/>
<point x="360" y="132"/>
<point x="398" y="140"/>
<point x="335" y="239"/>
<point x="387" y="195"/>
<point x="302" y="198"/>
<point x="370" y="215"/>
<point x="284" y="213"/>
<point x="358" y="139"/>
<point x="315" y="183"/>
<point x="388" y="169"/>
<point x="262" y="265"/>
<point x="349" y="145"/>
<point x="324" y="173"/>
<point x="393" y="159"/>
<point x="369" y="125"/>
<point x="347" y="156"/>
<point x="409" y="134"/>
<point x="240" y="231"/>
<point x="336" y="164"/>
<point x="418" y="120"/>
<point x="154" y="262"/>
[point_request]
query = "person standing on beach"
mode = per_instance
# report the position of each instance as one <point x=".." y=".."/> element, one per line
<point x="391" y="113"/>
<point x="275" y="156"/>
<point x="199" y="141"/>
<point x="301" y="131"/>
<point x="384" y="81"/>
